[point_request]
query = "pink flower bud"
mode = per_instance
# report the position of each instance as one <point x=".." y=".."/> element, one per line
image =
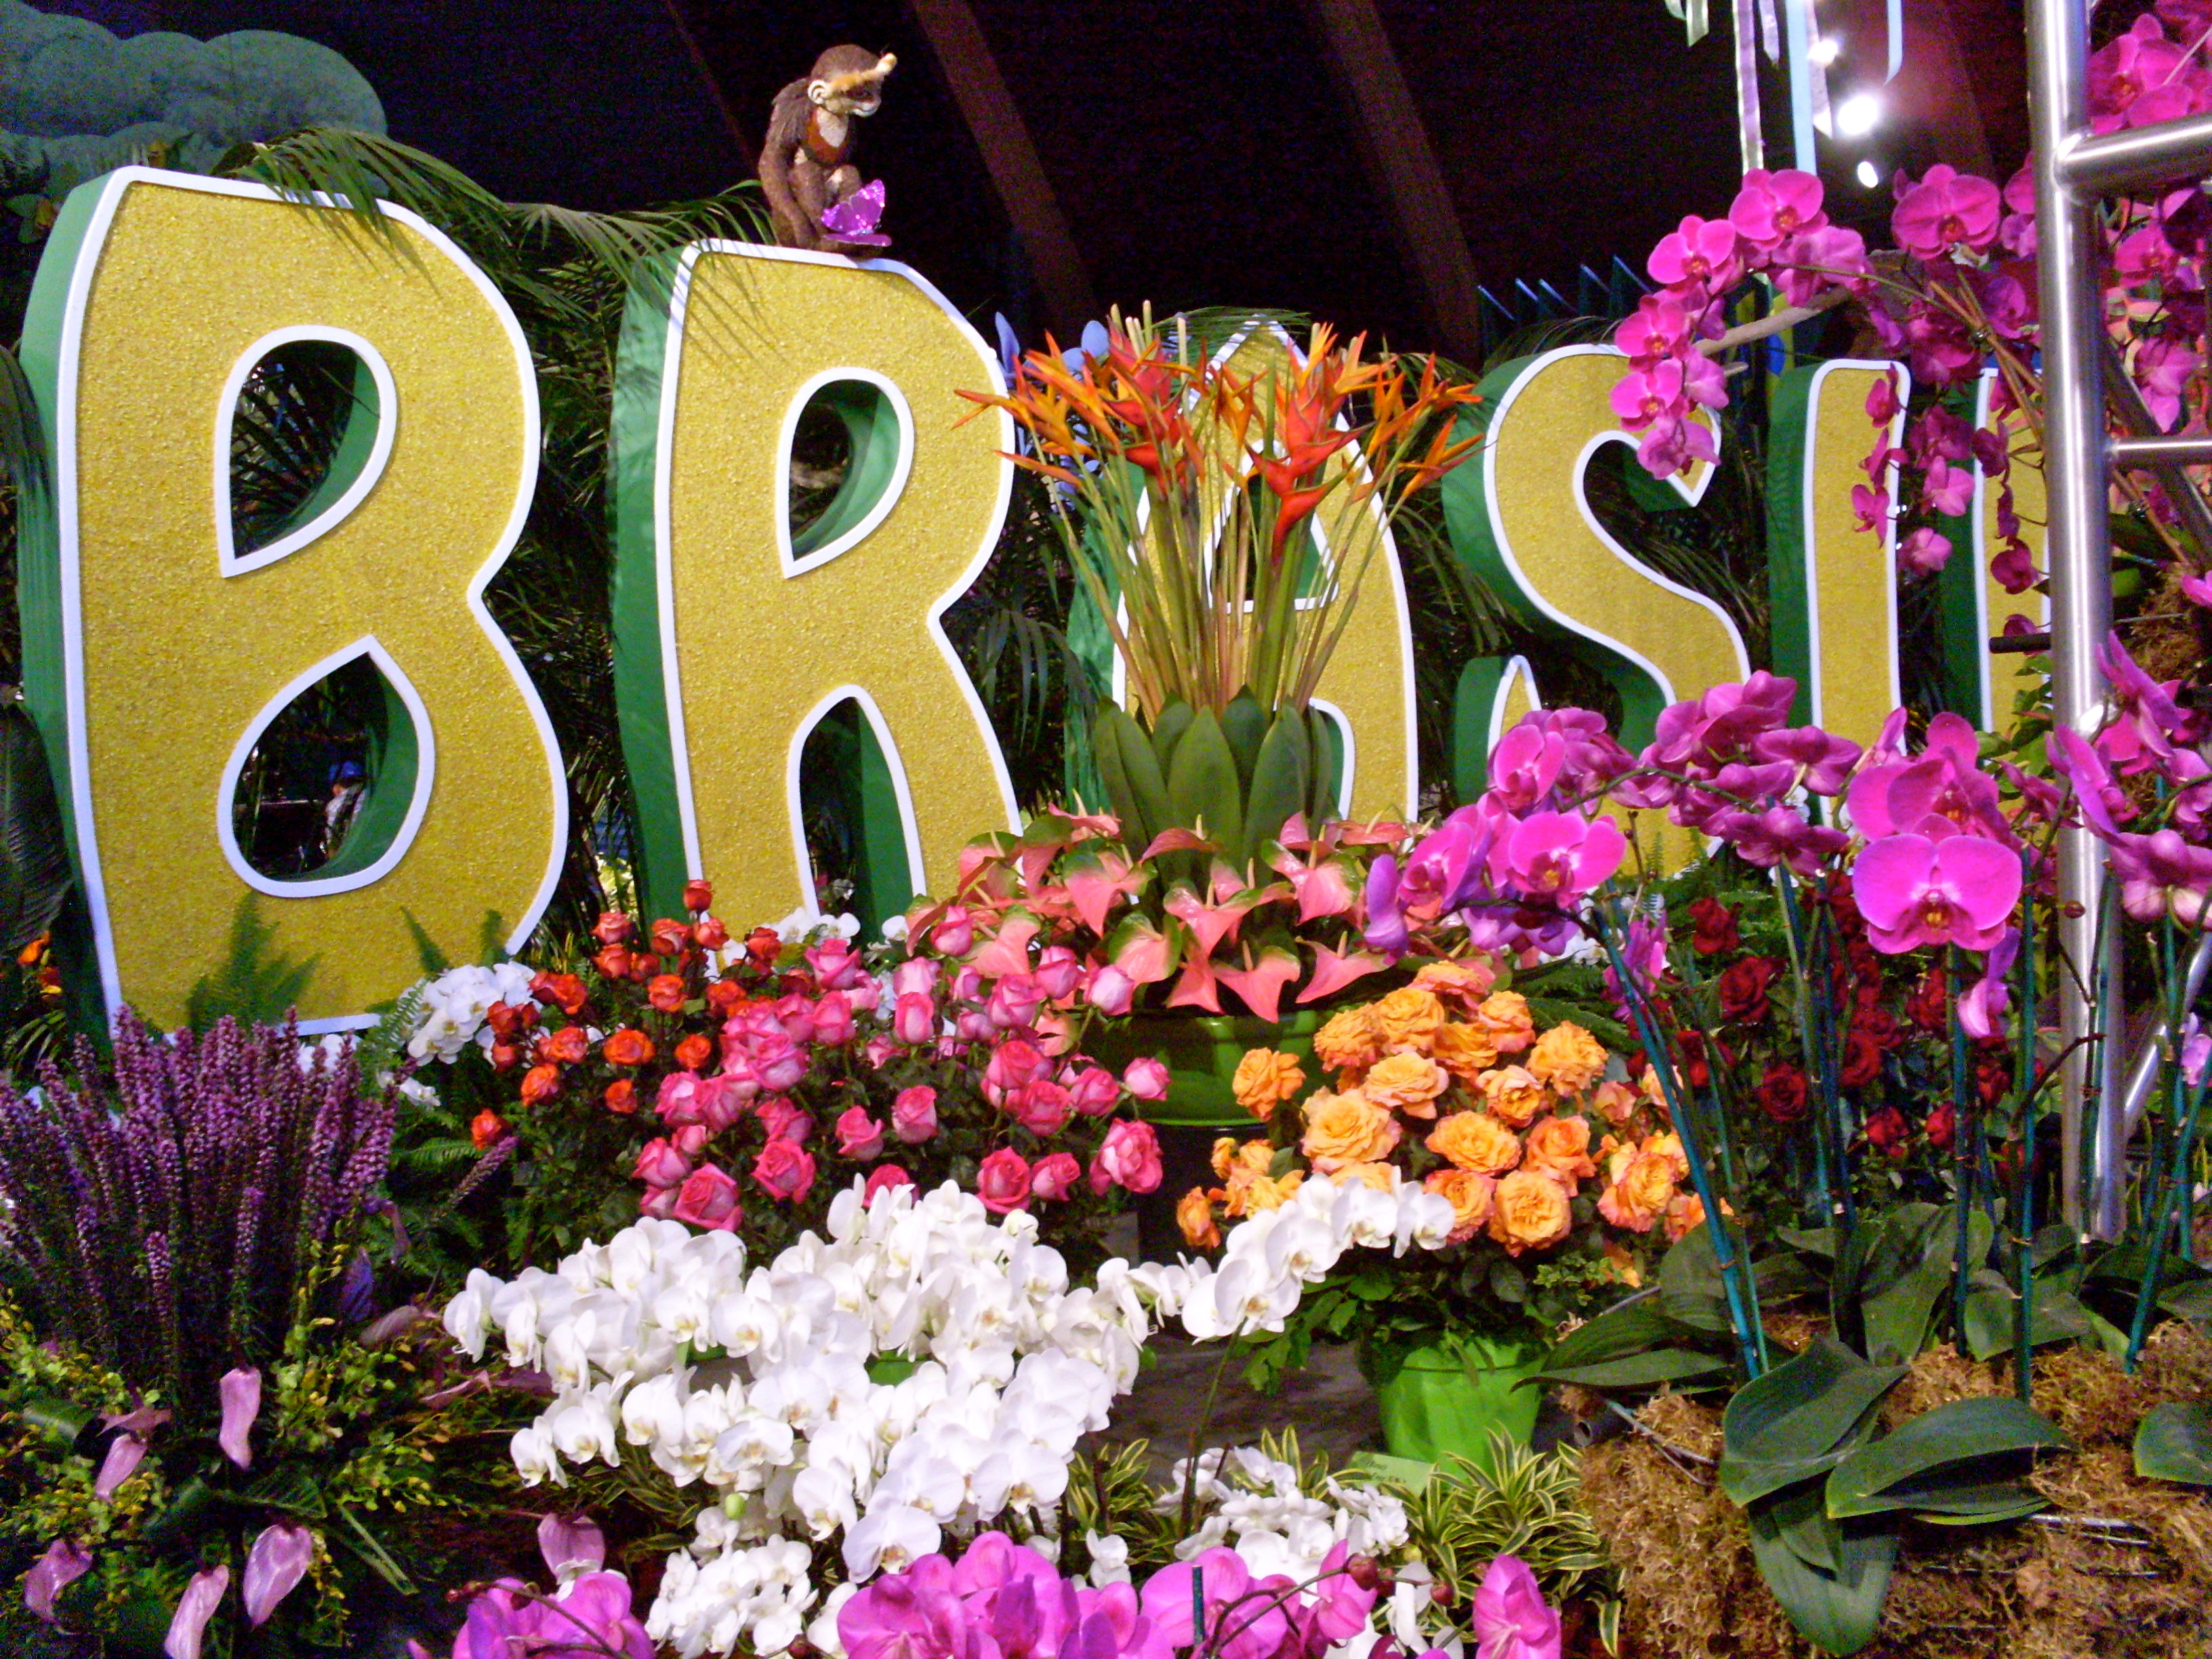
<point x="241" y="1404"/>
<point x="1058" y="971"/>
<point x="661" y="1165"/>
<point x="571" y="1544"/>
<point x="125" y="1453"/>
<point x="1111" y="991"/>
<point x="1093" y="1089"/>
<point x="1055" y="1177"/>
<point x="914" y="1018"/>
<point x="1003" y="1181"/>
<point x="882" y="1177"/>
<point x="1129" y="1157"/>
<point x="1146" y="1078"/>
<point x="914" y="977"/>
<point x="274" y="1567"/>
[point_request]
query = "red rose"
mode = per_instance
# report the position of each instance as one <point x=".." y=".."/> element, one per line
<point x="622" y="1097"/>
<point x="1743" y="988"/>
<point x="628" y="1047"/>
<point x="612" y="927"/>
<point x="1939" y="1127"/>
<point x="567" y="1046"/>
<point x="505" y="1056"/>
<point x="762" y="945"/>
<point x="643" y="965"/>
<point x="540" y="1084"/>
<point x="785" y="1170"/>
<point x="724" y="996"/>
<point x="1992" y="1079"/>
<point x="1782" y="1093"/>
<point x="1879" y="1026"/>
<point x="486" y="1129"/>
<point x="613" y="962"/>
<point x="710" y="934"/>
<point x="1716" y="928"/>
<point x="1930" y="1004"/>
<point x="694" y="1052"/>
<point x="698" y="894"/>
<point x="666" y="993"/>
<point x="669" y="937"/>
<point x="1886" y="1131"/>
<point x="509" y="1019"/>
<point x="1003" y="1181"/>
<point x="563" y="991"/>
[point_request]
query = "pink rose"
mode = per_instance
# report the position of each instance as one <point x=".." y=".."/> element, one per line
<point x="785" y="1170"/>
<point x="1111" y="991"/>
<point x="882" y="1177"/>
<point x="658" y="1202"/>
<point x="858" y="1136"/>
<point x="913" y="1114"/>
<point x="795" y="1011"/>
<point x="1093" y="1091"/>
<point x="1041" y="1107"/>
<point x="914" y="977"/>
<point x="1013" y="1002"/>
<point x="676" y="1103"/>
<point x="776" y="1063"/>
<point x="785" y="1121"/>
<point x="661" y="1165"/>
<point x="1129" y="1157"/>
<point x="709" y="1198"/>
<point x="1055" y="1177"/>
<point x="1058" y="971"/>
<point x="914" y="1019"/>
<point x="879" y="1051"/>
<point x="1003" y="1181"/>
<point x="1146" y="1078"/>
<point x="838" y="966"/>
<point x="833" y="1019"/>
<point x="1012" y="1065"/>
<point x="690" y="1140"/>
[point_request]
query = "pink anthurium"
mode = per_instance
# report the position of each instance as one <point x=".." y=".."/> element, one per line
<point x="1176" y="840"/>
<point x="1324" y="889"/>
<point x="1141" y="951"/>
<point x="1914" y="892"/>
<point x="194" y="1608"/>
<point x="275" y="1565"/>
<point x="1008" y="952"/>
<point x="62" y="1565"/>
<point x="241" y="1403"/>
<point x="1209" y="924"/>
<point x="1095" y="880"/>
<point x="1334" y="969"/>
<point x="1197" y="987"/>
<point x="1260" y="984"/>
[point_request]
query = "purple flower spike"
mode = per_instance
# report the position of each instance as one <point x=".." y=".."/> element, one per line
<point x="571" y="1544"/>
<point x="241" y="1404"/>
<point x="196" y="1606"/>
<point x="125" y="1453"/>
<point x="274" y="1566"/>
<point x="1511" y="1619"/>
<point x="62" y="1565"/>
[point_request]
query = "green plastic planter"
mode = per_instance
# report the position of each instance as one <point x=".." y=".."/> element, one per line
<point x="1450" y="1397"/>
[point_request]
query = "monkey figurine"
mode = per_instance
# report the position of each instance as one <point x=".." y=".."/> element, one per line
<point x="806" y="165"/>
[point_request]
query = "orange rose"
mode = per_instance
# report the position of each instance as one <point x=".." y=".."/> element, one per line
<point x="1383" y="1177"/>
<point x="1195" y="1215"/>
<point x="1225" y="1156"/>
<point x="566" y="1046"/>
<point x="622" y="1097"/>
<point x="1530" y="1211"/>
<point x="1466" y="1051"/>
<point x="565" y="991"/>
<point x="1514" y="1095"/>
<point x="628" y="1047"/>
<point x="1654" y="1090"/>
<point x="1641" y="1184"/>
<point x="1350" y="1042"/>
<point x="725" y="997"/>
<point x="1346" y="1128"/>
<point x="1669" y="1146"/>
<point x="540" y="1084"/>
<point x="1616" y="1100"/>
<point x="1475" y="1141"/>
<point x="1472" y="1197"/>
<point x="613" y="961"/>
<point x="1460" y="985"/>
<point x="486" y="1129"/>
<point x="1504" y="1015"/>
<point x="1684" y="1211"/>
<point x="1406" y="1083"/>
<point x="1621" y="1262"/>
<point x="1265" y="1193"/>
<point x="694" y="1052"/>
<point x="1560" y="1147"/>
<point x="698" y="894"/>
<point x="1265" y="1079"/>
<point x="1409" y="1018"/>
<point x="666" y="993"/>
<point x="1568" y="1057"/>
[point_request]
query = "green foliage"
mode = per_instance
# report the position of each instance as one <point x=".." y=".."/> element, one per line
<point x="34" y="875"/>
<point x="256" y="984"/>
<point x="2174" y="1441"/>
<point x="1527" y="1503"/>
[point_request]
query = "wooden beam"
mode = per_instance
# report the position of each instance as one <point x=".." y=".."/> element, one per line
<point x="1403" y="167"/>
<point x="962" y="52"/>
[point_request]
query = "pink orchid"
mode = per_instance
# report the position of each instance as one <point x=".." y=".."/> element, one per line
<point x="1772" y="207"/>
<point x="1509" y="1617"/>
<point x="1983" y="1003"/>
<point x="1883" y="405"/>
<point x="1259" y="985"/>
<point x="1946" y="209"/>
<point x="2014" y="570"/>
<point x="2196" y="1051"/>
<point x="1948" y="489"/>
<point x="1870" y="507"/>
<point x="1699" y="251"/>
<point x="1925" y="551"/>
<point x="62" y="1565"/>
<point x="2126" y="68"/>
<point x="2161" y="876"/>
<point x="571" y="1543"/>
<point x="1664" y="325"/>
<point x="241" y="1390"/>
<point x="1915" y="892"/>
<point x="1559" y="856"/>
<point x="194" y="1608"/>
<point x="275" y="1565"/>
<point x="1824" y="760"/>
<point x="1671" y="443"/>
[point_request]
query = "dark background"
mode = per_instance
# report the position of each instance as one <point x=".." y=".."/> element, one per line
<point x="1198" y="151"/>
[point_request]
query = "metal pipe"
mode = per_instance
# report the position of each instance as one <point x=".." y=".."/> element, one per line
<point x="2176" y="450"/>
<point x="2144" y="1073"/>
<point x="2116" y="163"/>
<point x="2134" y="418"/>
<point x="2080" y="593"/>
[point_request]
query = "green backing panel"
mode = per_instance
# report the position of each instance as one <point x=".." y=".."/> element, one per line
<point x="394" y="754"/>
<point x="1473" y="701"/>
<point x="1789" y="408"/>
<point x="1965" y="630"/>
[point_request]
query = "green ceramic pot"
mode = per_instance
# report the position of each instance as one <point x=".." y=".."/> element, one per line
<point x="1448" y="1398"/>
<point x="1200" y="1052"/>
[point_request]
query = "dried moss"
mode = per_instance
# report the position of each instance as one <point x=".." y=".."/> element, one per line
<point x="2027" y="1591"/>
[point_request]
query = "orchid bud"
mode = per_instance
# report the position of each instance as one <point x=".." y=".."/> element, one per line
<point x="241" y="1405"/>
<point x="274" y="1567"/>
<point x="572" y="1544"/>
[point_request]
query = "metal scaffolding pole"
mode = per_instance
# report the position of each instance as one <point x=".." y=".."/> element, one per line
<point x="2073" y="170"/>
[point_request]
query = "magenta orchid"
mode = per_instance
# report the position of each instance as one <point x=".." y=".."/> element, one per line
<point x="1511" y="1619"/>
<point x="1915" y="892"/>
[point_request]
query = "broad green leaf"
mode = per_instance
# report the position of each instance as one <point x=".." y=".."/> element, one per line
<point x="1783" y="1279"/>
<point x="1635" y="1371"/>
<point x="1690" y="1287"/>
<point x="1282" y="775"/>
<point x="1203" y="788"/>
<point x="1838" y="1611"/>
<point x="1131" y="771"/>
<point x="1964" y="1445"/>
<point x="2192" y="1302"/>
<point x="1789" y="1425"/>
<point x="1814" y="1240"/>
<point x="2174" y="1443"/>
<point x="1980" y="1506"/>
<point x="1616" y="1332"/>
<point x="2059" y="1316"/>
<point x="1175" y="720"/>
<point x="1244" y="723"/>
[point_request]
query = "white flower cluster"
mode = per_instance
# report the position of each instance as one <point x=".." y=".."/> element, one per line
<point x="755" y="1382"/>
<point x="1270" y="1258"/>
<point x="1256" y="1505"/>
<point x="455" y="1003"/>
